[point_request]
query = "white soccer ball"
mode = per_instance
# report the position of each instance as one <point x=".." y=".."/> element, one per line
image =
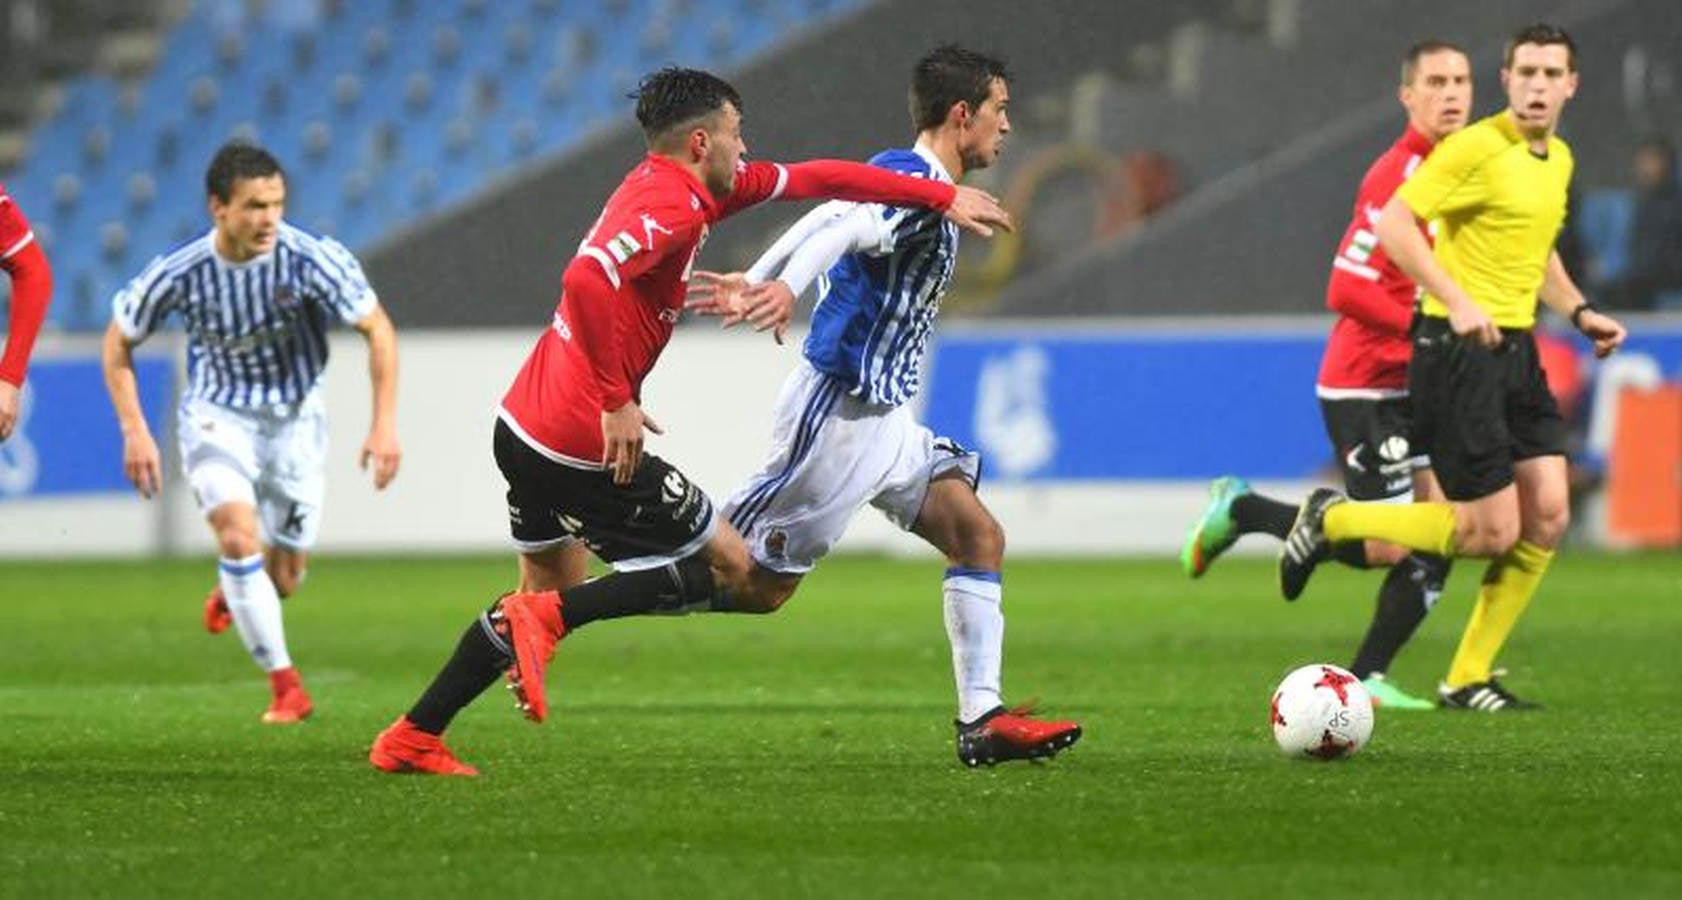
<point x="1321" y="712"/>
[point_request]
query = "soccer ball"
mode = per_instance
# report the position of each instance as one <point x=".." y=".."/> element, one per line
<point x="1321" y="711"/>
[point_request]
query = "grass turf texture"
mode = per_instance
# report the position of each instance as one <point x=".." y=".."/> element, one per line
<point x="810" y="752"/>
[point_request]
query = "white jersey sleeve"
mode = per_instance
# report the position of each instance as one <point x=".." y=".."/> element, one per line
<point x="336" y="281"/>
<point x="140" y="306"/>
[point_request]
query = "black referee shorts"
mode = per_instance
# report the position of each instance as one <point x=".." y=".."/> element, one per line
<point x="658" y="518"/>
<point x="1478" y="410"/>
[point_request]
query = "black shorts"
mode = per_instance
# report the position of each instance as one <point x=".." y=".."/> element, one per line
<point x="1373" y="439"/>
<point x="659" y="517"/>
<point x="1478" y="410"/>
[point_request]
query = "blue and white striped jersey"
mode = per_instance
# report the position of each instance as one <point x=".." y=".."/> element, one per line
<point x="257" y="330"/>
<point x="876" y="308"/>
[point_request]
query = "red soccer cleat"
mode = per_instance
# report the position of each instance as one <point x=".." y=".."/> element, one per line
<point x="291" y="703"/>
<point x="533" y="626"/>
<point x="216" y="615"/>
<point x="1007" y="734"/>
<point x="403" y="749"/>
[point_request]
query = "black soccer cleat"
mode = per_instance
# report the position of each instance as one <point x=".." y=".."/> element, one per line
<point x="1305" y="544"/>
<point x="1482" y="696"/>
<point x="1006" y="734"/>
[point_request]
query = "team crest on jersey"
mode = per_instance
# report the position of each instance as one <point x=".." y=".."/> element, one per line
<point x="287" y="299"/>
<point x="622" y="247"/>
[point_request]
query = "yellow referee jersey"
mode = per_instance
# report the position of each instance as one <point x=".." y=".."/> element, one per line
<point x="1499" y="208"/>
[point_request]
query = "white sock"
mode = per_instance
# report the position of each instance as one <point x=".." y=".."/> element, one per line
<point x="255" y="606"/>
<point x="976" y="627"/>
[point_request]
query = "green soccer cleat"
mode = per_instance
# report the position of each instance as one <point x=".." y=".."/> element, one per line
<point x="1387" y="696"/>
<point x="1214" y="530"/>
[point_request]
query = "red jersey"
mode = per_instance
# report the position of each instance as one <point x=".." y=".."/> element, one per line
<point x="32" y="286"/>
<point x="1367" y="353"/>
<point x="624" y="291"/>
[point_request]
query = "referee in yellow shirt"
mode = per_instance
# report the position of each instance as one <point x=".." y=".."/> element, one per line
<point x="1482" y="410"/>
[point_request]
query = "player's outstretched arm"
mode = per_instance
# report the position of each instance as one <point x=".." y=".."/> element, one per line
<point x="381" y="448"/>
<point x="1561" y="295"/>
<point x="141" y="463"/>
<point x="1398" y="233"/>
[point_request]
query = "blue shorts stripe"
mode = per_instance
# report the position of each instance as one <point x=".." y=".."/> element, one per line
<point x="811" y="422"/>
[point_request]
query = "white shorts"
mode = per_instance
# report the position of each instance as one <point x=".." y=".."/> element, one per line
<point x="832" y="453"/>
<point x="272" y="458"/>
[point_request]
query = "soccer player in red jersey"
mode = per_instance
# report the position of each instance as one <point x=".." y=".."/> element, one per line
<point x="569" y="432"/>
<point x="32" y="290"/>
<point x="1362" y="386"/>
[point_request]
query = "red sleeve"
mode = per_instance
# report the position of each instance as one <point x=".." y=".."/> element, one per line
<point x="633" y="242"/>
<point x="1356" y="291"/>
<point x="834" y="179"/>
<point x="32" y="288"/>
<point x="591" y="307"/>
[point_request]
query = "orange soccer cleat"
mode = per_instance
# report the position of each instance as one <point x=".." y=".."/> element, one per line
<point x="291" y="703"/>
<point x="403" y="749"/>
<point x="216" y="615"/>
<point x="1006" y="734"/>
<point x="532" y="624"/>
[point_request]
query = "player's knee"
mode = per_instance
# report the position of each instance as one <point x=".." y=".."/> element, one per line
<point x="1485" y="535"/>
<point x="1547" y="527"/>
<point x="761" y="591"/>
<point x="981" y="545"/>
<point x="237" y="541"/>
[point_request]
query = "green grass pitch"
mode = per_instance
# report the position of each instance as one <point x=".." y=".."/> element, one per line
<point x="809" y="753"/>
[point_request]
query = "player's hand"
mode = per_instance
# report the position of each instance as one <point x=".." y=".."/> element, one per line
<point x="381" y="449"/>
<point x="768" y="305"/>
<point x="1607" y="333"/>
<point x="1472" y="323"/>
<point x="622" y="440"/>
<point x="716" y="294"/>
<point x="9" y="404"/>
<point x="978" y="211"/>
<point x="140" y="463"/>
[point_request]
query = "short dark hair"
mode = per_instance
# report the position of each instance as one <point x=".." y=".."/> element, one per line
<point x="1410" y="60"/>
<point x="1543" y="34"/>
<point x="675" y="97"/>
<point x="950" y="74"/>
<point x="238" y="160"/>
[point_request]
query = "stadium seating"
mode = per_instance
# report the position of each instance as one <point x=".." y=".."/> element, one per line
<point x="383" y="111"/>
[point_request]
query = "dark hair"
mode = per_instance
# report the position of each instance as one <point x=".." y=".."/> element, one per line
<point x="675" y="97"/>
<point x="951" y="74"/>
<point x="1410" y="60"/>
<point x="235" y="161"/>
<point x="1543" y="34"/>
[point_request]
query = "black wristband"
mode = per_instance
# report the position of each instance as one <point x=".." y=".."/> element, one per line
<point x="1577" y="314"/>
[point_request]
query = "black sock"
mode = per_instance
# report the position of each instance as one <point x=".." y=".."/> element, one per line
<point x="681" y="587"/>
<point x="481" y="657"/>
<point x="1352" y="554"/>
<point x="1408" y="593"/>
<point x="1255" y="513"/>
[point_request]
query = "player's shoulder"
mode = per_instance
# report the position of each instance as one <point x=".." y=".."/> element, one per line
<point x="306" y="242"/>
<point x="185" y="254"/>
<point x="905" y="160"/>
<point x="660" y="190"/>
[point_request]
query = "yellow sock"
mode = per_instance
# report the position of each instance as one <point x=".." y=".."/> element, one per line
<point x="1507" y="588"/>
<point x="1428" y="527"/>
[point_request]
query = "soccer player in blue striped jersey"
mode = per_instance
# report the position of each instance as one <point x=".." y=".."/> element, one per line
<point x="844" y="435"/>
<point x="256" y="297"/>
